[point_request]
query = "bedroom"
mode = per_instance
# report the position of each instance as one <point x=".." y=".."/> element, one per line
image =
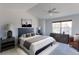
<point x="40" y="16"/>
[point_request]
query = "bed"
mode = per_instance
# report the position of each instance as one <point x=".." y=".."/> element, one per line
<point x="34" y="45"/>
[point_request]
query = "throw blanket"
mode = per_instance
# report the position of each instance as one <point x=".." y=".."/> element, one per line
<point x="28" y="42"/>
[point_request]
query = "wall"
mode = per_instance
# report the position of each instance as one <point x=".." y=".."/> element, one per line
<point x="13" y="17"/>
<point x="42" y="25"/>
<point x="75" y="23"/>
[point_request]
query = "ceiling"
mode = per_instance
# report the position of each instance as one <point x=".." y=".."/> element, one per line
<point x="40" y="10"/>
<point x="65" y="9"/>
<point x="17" y="6"/>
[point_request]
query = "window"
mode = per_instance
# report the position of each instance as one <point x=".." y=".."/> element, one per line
<point x="56" y="27"/>
<point x="62" y="27"/>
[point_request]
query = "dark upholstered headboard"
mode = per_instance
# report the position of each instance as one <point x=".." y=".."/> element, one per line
<point x="26" y="30"/>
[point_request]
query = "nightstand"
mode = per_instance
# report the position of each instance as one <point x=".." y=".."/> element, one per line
<point x="6" y="44"/>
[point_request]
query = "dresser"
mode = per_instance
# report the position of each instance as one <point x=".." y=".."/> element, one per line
<point x="63" y="38"/>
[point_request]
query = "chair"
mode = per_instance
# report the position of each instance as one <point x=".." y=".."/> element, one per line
<point x="71" y="40"/>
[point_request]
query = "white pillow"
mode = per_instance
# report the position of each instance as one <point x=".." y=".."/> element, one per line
<point x="24" y="35"/>
<point x="28" y="34"/>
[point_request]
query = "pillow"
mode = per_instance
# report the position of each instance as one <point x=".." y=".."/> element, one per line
<point x="28" y="34"/>
<point x="32" y="34"/>
<point x="24" y="35"/>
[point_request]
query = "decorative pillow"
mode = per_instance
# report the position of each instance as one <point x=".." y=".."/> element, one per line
<point x="24" y="35"/>
<point x="32" y="34"/>
<point x="28" y="34"/>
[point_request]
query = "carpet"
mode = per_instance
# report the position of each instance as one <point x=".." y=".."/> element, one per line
<point x="64" y="49"/>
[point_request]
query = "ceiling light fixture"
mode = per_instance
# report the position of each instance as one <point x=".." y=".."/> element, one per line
<point x="53" y="11"/>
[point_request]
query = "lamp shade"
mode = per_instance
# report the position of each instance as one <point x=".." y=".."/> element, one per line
<point x="76" y="37"/>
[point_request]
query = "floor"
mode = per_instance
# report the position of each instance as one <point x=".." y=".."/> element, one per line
<point x="57" y="49"/>
<point x="64" y="49"/>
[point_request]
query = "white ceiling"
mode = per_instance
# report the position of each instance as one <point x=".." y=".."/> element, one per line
<point x="41" y="10"/>
<point x="65" y="9"/>
<point x="16" y="6"/>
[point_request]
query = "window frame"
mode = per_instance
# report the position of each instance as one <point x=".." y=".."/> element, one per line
<point x="60" y="24"/>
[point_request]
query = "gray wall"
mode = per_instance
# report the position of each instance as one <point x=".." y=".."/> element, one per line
<point x="42" y="24"/>
<point x="75" y="24"/>
<point x="13" y="17"/>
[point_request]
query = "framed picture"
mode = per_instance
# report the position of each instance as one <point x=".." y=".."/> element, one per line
<point x="26" y="22"/>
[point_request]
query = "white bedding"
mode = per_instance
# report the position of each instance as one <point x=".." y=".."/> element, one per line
<point x="36" y="45"/>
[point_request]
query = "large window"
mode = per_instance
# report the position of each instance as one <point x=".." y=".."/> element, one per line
<point x="56" y="27"/>
<point x="62" y="27"/>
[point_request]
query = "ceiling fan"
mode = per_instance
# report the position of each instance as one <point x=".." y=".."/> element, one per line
<point x="53" y="11"/>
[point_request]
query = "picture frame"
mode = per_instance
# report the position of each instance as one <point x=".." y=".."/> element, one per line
<point x="25" y="22"/>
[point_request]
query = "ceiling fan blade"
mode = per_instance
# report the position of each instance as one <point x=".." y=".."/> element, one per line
<point x="55" y="12"/>
<point x="53" y="9"/>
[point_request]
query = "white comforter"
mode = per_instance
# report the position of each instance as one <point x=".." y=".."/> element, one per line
<point x="36" y="45"/>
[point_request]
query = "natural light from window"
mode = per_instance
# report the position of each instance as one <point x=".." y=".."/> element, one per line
<point x="62" y="27"/>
